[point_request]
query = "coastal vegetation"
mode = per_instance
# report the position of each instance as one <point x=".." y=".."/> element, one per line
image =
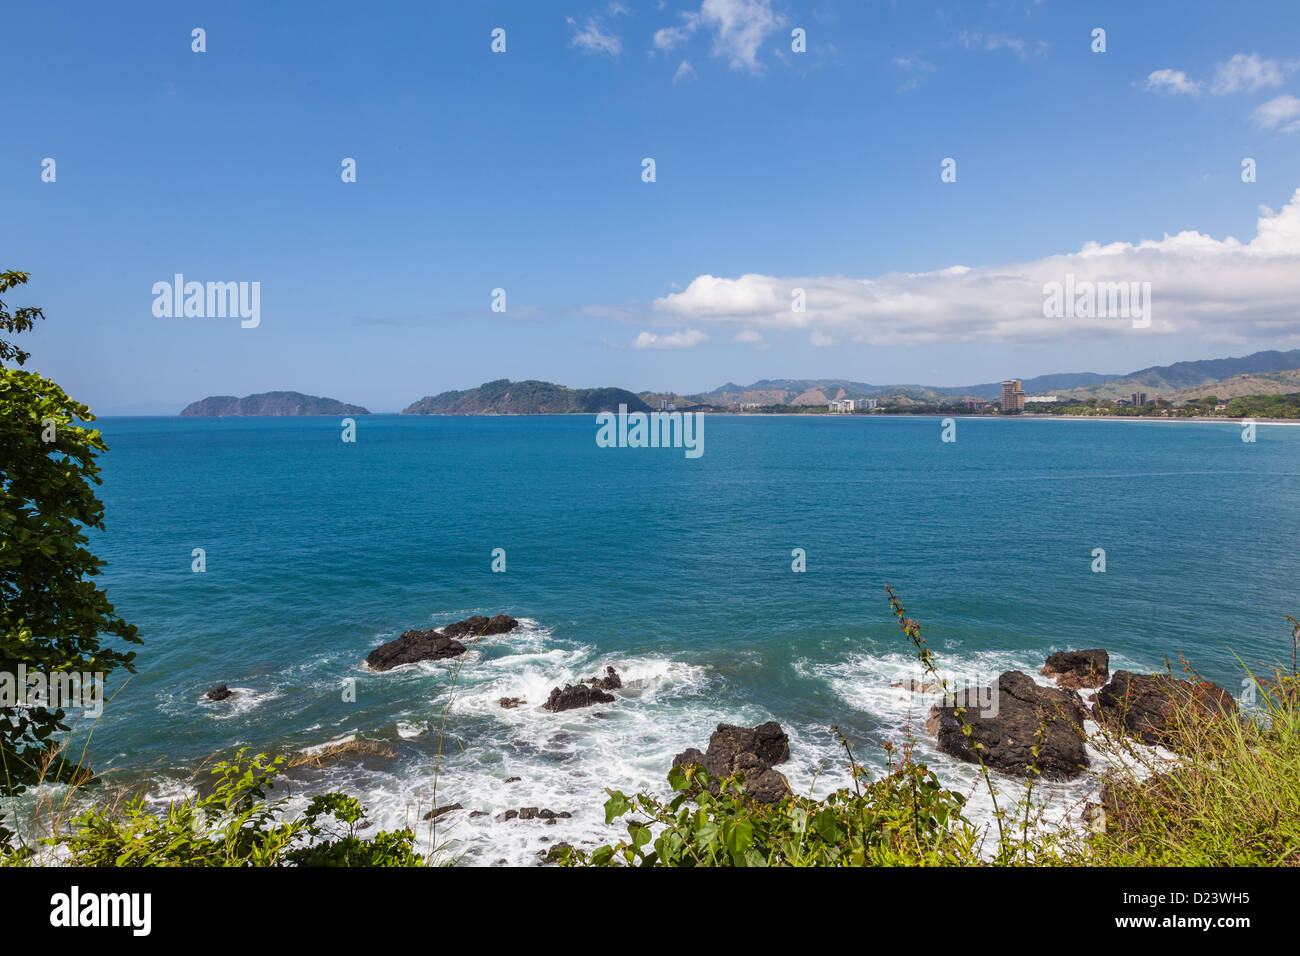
<point x="52" y="614"/>
<point x="1210" y="406"/>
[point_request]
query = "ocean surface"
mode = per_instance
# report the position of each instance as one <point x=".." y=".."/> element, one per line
<point x="676" y="571"/>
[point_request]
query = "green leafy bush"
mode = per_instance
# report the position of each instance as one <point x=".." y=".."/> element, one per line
<point x="233" y="825"/>
<point x="52" y="616"/>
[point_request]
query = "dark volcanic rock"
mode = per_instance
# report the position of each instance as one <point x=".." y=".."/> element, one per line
<point x="558" y="851"/>
<point x="535" y="813"/>
<point x="748" y="751"/>
<point x="414" y="646"/>
<point x="611" y="680"/>
<point x="576" y="695"/>
<point x="1075" y="670"/>
<point x="481" y="626"/>
<point x="767" y="741"/>
<point x="434" y="644"/>
<point x="439" y="811"/>
<point x="1009" y="738"/>
<point x="1149" y="706"/>
<point x="510" y="703"/>
<point x="220" y="693"/>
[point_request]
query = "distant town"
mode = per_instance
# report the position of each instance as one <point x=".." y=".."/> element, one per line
<point x="1014" y="401"/>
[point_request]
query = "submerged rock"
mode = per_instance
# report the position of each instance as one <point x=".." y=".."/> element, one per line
<point x="433" y="644"/>
<point x="1024" y="710"/>
<point x="576" y="695"/>
<point x="220" y="693"/>
<point x="1076" y="670"/>
<point x="750" y="751"/>
<point x="510" y="703"/>
<point x="1150" y="706"/>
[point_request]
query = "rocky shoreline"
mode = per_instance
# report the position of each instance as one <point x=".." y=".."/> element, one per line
<point x="1023" y="728"/>
<point x="1028" y="715"/>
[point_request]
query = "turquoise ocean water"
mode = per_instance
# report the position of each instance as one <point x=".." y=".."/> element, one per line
<point x="676" y="571"/>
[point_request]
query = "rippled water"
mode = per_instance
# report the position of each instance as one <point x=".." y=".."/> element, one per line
<point x="676" y="571"/>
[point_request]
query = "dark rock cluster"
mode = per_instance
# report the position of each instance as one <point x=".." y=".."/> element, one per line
<point x="576" y="695"/>
<point x="1021" y="715"/>
<point x="1150" y="707"/>
<point x="583" y="695"/>
<point x="436" y="644"/>
<point x="750" y="751"/>
<point x="1077" y="670"/>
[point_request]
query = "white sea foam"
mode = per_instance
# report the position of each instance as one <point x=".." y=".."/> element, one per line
<point x="243" y="701"/>
<point x="565" y="761"/>
<point x="863" y="682"/>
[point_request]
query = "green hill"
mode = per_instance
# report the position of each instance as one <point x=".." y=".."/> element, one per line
<point x="1251" y="374"/>
<point x="269" y="403"/>
<point x="504" y="397"/>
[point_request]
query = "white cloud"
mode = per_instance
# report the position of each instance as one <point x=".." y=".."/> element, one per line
<point x="1246" y="73"/>
<point x="593" y="37"/>
<point x="1172" y="81"/>
<point x="669" y="38"/>
<point x="739" y="28"/>
<point x="748" y="335"/>
<point x="1199" y="284"/>
<point x="685" y="339"/>
<point x="684" y="73"/>
<point x="820" y="339"/>
<point x="1283" y="113"/>
<point x="992" y="42"/>
<point x="915" y="66"/>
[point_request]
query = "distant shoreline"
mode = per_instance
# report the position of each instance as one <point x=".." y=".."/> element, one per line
<point x="818" y="416"/>
<point x="1161" y="418"/>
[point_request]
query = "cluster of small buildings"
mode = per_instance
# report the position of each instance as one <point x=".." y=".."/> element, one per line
<point x="1138" y="399"/>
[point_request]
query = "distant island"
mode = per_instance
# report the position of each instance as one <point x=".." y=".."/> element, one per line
<point x="269" y="403"/>
<point x="531" y="397"/>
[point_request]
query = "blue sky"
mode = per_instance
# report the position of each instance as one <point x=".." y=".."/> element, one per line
<point x="522" y="170"/>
